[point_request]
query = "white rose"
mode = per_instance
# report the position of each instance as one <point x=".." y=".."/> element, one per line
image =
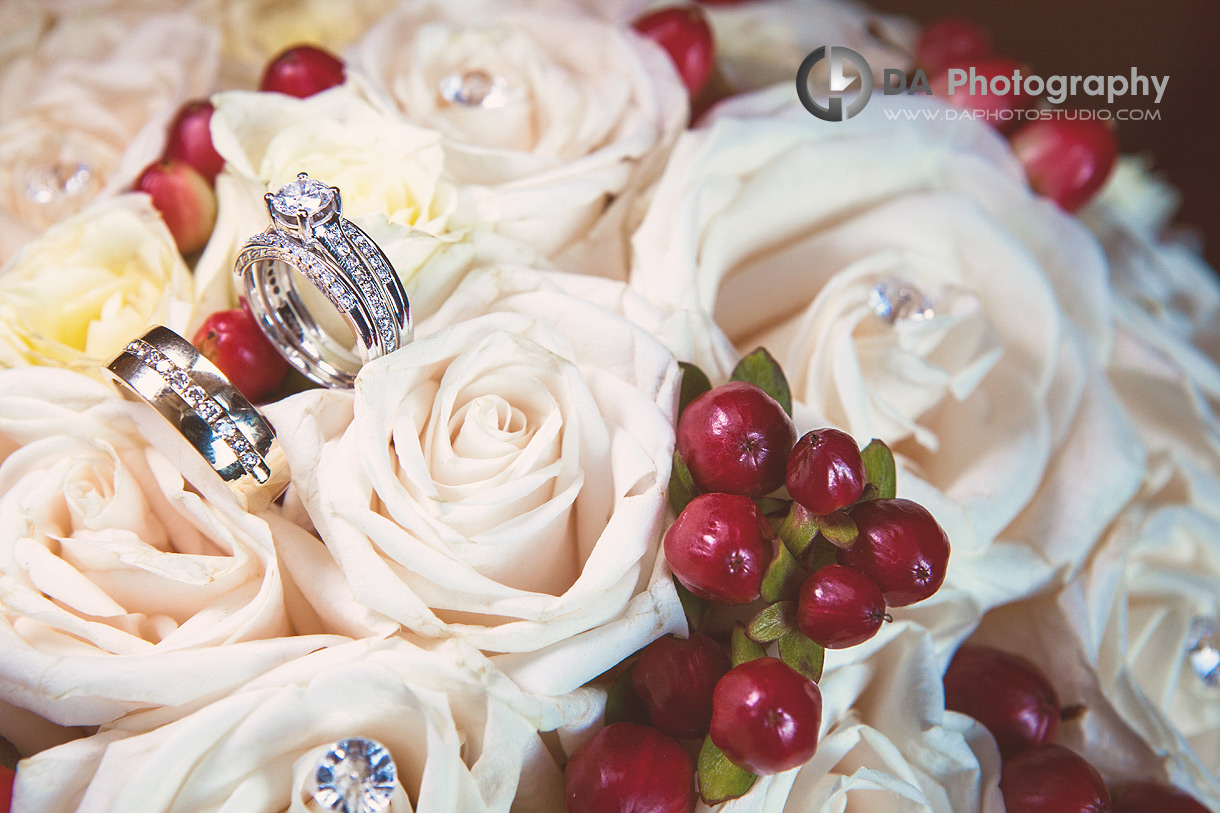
<point x="85" y="109"/>
<point x="502" y="482"/>
<point x="78" y="293"/>
<point x="463" y="738"/>
<point x="579" y="122"/>
<point x="122" y="588"/>
<point x="787" y="232"/>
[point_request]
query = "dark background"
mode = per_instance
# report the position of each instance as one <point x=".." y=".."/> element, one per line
<point x="1178" y="38"/>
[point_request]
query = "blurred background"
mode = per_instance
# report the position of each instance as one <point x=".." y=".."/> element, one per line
<point x="1178" y="38"/>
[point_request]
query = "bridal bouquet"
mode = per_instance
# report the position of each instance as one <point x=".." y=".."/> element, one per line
<point x="483" y="589"/>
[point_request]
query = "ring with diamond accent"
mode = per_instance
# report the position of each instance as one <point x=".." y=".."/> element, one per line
<point x="229" y="433"/>
<point x="309" y="236"/>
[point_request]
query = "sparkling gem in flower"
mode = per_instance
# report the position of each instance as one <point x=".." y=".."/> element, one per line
<point x="474" y="88"/>
<point x="355" y="775"/>
<point x="304" y="197"/>
<point x="895" y="301"/>
<point x="1203" y="650"/>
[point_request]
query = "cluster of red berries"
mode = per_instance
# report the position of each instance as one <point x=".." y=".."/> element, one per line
<point x="1014" y="700"/>
<point x="844" y="550"/>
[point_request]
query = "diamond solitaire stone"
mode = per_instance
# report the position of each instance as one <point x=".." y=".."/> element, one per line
<point x="355" y="776"/>
<point x="1203" y="650"/>
<point x="896" y="301"/>
<point x="474" y="88"/>
<point x="305" y="199"/>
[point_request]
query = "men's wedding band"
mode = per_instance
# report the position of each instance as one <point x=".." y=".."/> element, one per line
<point x="166" y="371"/>
<point x="309" y="237"/>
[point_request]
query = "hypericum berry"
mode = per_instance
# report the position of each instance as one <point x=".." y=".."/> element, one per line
<point x="1002" y="109"/>
<point x="719" y="548"/>
<point x="950" y="41"/>
<point x="1006" y="693"/>
<point x="839" y="607"/>
<point x="825" y="471"/>
<point x="685" y="35"/>
<point x="675" y="677"/>
<point x="735" y="439"/>
<point x="233" y="342"/>
<point x="1148" y="797"/>
<point x="1067" y="161"/>
<point x="765" y="716"/>
<point x="629" y="767"/>
<point x="303" y="71"/>
<point x="1052" y="779"/>
<point x="7" y="777"/>
<point x="185" y="200"/>
<point x="190" y="139"/>
<point x="901" y="547"/>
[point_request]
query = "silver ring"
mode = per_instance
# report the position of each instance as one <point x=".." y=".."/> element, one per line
<point x="166" y="371"/>
<point x="308" y="235"/>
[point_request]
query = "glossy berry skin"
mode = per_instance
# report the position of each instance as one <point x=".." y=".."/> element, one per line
<point x="950" y="41"/>
<point x="185" y="200"/>
<point x="1149" y="797"/>
<point x="233" y="342"/>
<point x="735" y="439"/>
<point x="1006" y="693"/>
<point x="628" y="767"/>
<point x="1000" y="105"/>
<point x="839" y="607"/>
<point x="825" y="471"/>
<point x="901" y="547"/>
<point x="7" y="777"/>
<point x="675" y="677"/>
<point x="1067" y="161"/>
<point x="303" y="71"/>
<point x="765" y="716"/>
<point x="190" y="139"/>
<point x="684" y="33"/>
<point x="719" y="548"/>
<point x="1052" y="779"/>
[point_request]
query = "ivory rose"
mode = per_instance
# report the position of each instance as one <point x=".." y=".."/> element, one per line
<point x="122" y="588"/>
<point x="501" y="480"/>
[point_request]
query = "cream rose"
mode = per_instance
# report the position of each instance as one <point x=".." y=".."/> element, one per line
<point x="575" y="117"/>
<point x="79" y="292"/>
<point x="122" y="588"/>
<point x="502" y="481"/>
<point x="463" y="739"/>
<point x="915" y="291"/>
<point x="85" y="108"/>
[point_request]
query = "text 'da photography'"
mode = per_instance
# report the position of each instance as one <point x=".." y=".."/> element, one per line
<point x="609" y="406"/>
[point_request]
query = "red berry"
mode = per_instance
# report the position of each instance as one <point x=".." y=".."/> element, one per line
<point x="825" y="471"/>
<point x="303" y="71"/>
<point x="735" y="438"/>
<point x="233" y="342"/>
<point x="684" y="33"/>
<point x="185" y="200"/>
<point x="1002" y="109"/>
<point x="627" y="767"/>
<point x="190" y="139"/>
<point x="1148" y="797"/>
<point x="839" y="607"/>
<point x="1006" y="693"/>
<point x="901" y="547"/>
<point x="675" y="677"/>
<point x="7" y="777"/>
<point x="950" y="41"/>
<point x="720" y="547"/>
<point x="1067" y="161"/>
<point x="1051" y="779"/>
<point x="765" y="716"/>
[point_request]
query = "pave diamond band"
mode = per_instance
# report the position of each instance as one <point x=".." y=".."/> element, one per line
<point x="309" y="238"/>
<point x="227" y="431"/>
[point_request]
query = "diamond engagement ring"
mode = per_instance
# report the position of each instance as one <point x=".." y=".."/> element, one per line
<point x="228" y="432"/>
<point x="309" y="236"/>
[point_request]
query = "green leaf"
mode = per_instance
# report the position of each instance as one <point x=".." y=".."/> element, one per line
<point x="838" y="528"/>
<point x="822" y="554"/>
<point x="772" y="622"/>
<point x="879" y="469"/>
<point x="719" y="779"/>
<point x="694" y="607"/>
<point x="772" y="506"/>
<point x="694" y="383"/>
<point x="763" y="371"/>
<point x="623" y="705"/>
<point x="681" y="485"/>
<point x="783" y="578"/>
<point x="742" y="648"/>
<point x="802" y="654"/>
<point x="798" y="530"/>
